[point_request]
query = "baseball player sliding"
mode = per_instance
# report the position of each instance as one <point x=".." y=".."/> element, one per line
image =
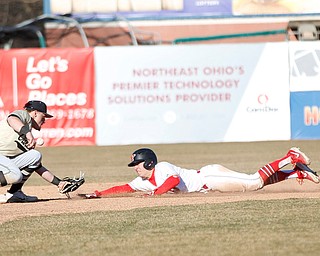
<point x="19" y="158"/>
<point x="158" y="178"/>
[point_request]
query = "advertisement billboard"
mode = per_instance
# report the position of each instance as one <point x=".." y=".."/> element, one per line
<point x="63" y="79"/>
<point x="205" y="93"/>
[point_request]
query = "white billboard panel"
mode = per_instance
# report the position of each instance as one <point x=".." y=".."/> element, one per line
<point x="202" y="93"/>
<point x="264" y="110"/>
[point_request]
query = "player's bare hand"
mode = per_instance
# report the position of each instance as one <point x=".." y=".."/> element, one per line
<point x="92" y="196"/>
<point x="89" y="196"/>
<point x="31" y="141"/>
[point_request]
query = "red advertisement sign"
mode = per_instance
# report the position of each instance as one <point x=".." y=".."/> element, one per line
<point x="63" y="79"/>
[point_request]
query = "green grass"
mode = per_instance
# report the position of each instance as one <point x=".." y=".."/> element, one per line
<point x="277" y="227"/>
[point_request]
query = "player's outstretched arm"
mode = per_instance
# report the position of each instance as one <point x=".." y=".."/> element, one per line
<point x="116" y="190"/>
<point x="113" y="190"/>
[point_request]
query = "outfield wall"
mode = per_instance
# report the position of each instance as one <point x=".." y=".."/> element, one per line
<point x="168" y="94"/>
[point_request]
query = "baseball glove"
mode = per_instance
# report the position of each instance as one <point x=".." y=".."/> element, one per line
<point x="71" y="184"/>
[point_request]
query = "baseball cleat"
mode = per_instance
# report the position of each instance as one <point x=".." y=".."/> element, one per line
<point x="304" y="172"/>
<point x="20" y="197"/>
<point x="298" y="156"/>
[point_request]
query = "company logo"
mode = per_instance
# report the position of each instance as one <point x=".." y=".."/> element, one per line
<point x="263" y="99"/>
<point x="262" y="105"/>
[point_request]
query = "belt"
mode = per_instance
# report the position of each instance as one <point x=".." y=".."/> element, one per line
<point x="10" y="157"/>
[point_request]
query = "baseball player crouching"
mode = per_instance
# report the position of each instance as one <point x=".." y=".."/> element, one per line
<point x="18" y="157"/>
<point x="158" y="178"/>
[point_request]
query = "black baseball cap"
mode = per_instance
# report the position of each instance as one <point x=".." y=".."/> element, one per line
<point x="37" y="105"/>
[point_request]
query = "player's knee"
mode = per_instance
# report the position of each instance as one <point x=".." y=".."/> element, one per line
<point x="18" y="178"/>
<point x="13" y="177"/>
<point x="36" y="159"/>
<point x="37" y="155"/>
<point x="10" y="174"/>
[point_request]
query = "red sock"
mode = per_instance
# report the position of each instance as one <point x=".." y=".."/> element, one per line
<point x="277" y="177"/>
<point x="271" y="168"/>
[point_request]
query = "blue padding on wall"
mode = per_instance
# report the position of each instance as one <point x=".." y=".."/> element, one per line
<point x="305" y="115"/>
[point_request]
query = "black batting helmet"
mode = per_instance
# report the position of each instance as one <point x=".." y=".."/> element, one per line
<point x="145" y="155"/>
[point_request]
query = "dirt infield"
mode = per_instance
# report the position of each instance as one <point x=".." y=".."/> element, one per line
<point x="54" y="203"/>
